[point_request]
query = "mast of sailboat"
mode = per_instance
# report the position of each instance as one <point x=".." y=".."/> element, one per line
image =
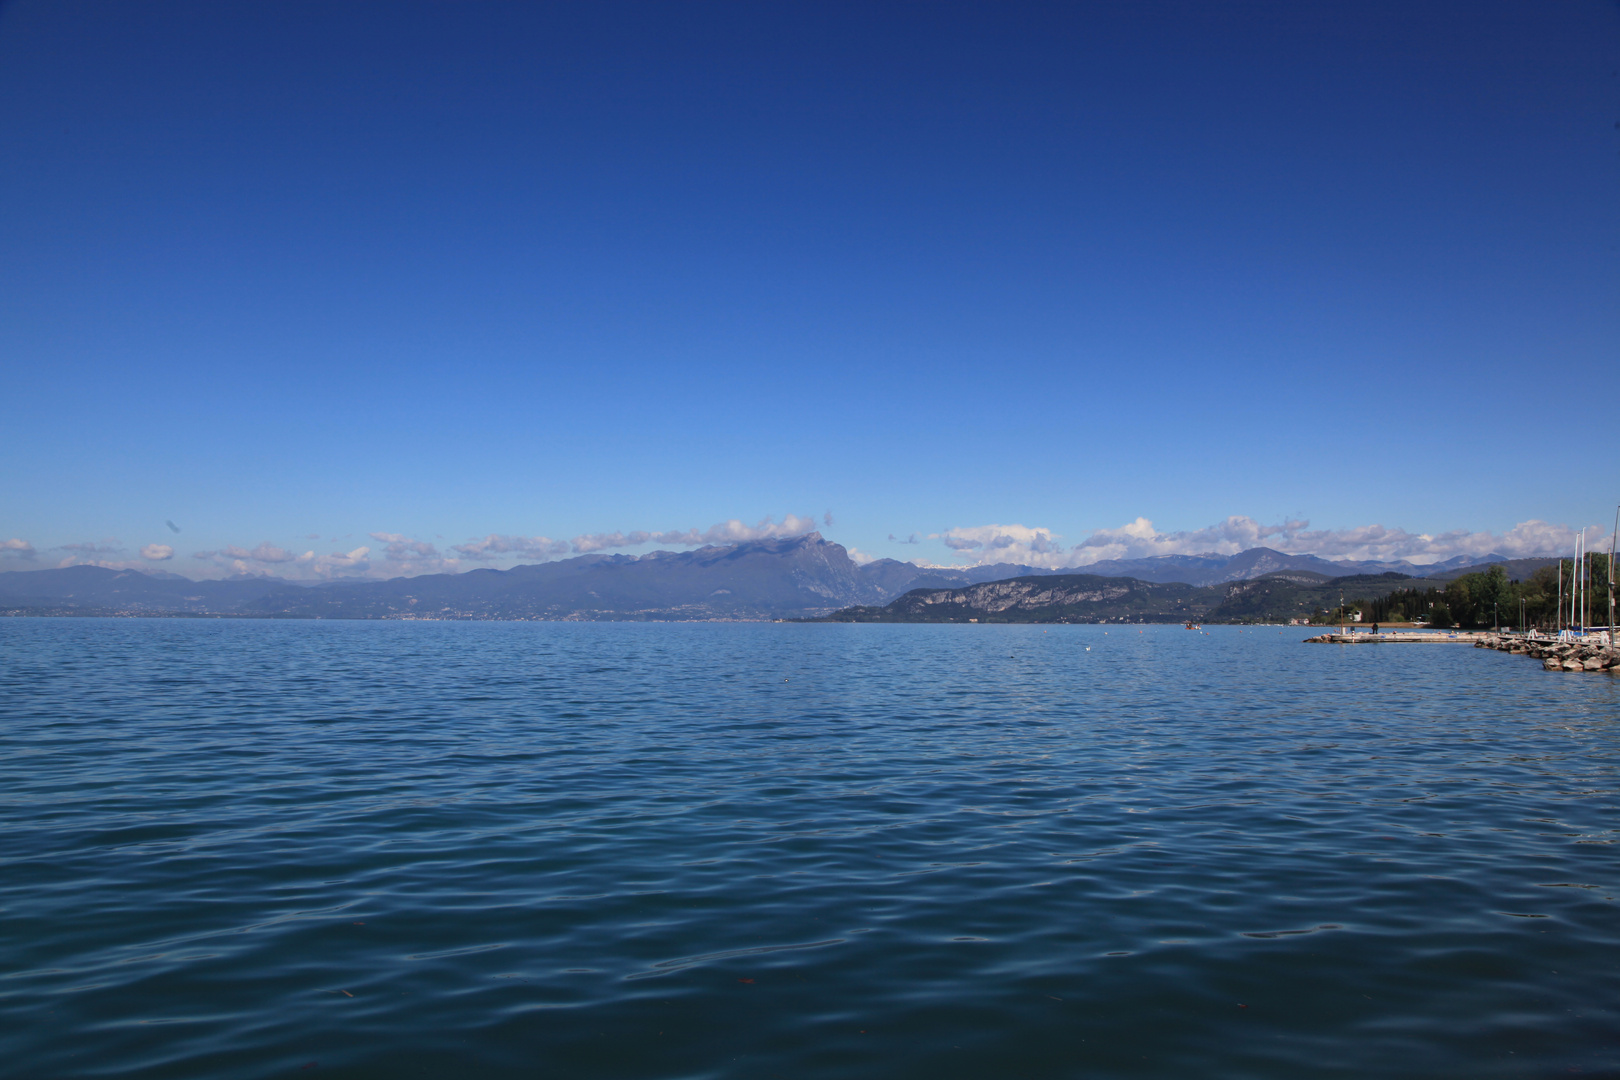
<point x="1612" y="577"/>
<point x="1575" y="583"/>
<point x="1574" y="579"/>
<point x="1586" y="559"/>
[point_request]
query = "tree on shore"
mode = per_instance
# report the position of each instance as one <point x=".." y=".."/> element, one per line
<point x="1489" y="598"/>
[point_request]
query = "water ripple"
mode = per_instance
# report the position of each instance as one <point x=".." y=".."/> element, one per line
<point x="240" y="849"/>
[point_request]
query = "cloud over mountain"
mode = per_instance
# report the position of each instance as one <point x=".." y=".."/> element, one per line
<point x="495" y="546"/>
<point x="1012" y="544"/>
<point x="341" y="563"/>
<point x="266" y="554"/>
<point x="404" y="548"/>
<point x="1139" y="539"/>
<point x="997" y="543"/>
<point x="268" y="558"/>
<point x="108" y="546"/>
<point x="727" y="532"/>
<point x="17" y="549"/>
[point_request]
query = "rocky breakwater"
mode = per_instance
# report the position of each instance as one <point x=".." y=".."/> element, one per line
<point x="1556" y="655"/>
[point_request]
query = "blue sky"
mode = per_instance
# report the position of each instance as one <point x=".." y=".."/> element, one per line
<point x="297" y="277"/>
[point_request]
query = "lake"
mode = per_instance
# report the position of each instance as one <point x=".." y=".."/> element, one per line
<point x="402" y="849"/>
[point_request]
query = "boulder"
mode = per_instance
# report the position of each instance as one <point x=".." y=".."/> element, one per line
<point x="1552" y="663"/>
<point x="1573" y="665"/>
<point x="1592" y="663"/>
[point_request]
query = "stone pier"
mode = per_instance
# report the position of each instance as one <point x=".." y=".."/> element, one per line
<point x="1589" y="654"/>
<point x="1555" y="655"/>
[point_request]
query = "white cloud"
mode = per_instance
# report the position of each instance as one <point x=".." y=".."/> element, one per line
<point x="403" y="555"/>
<point x="1139" y="539"/>
<point x="727" y="532"/>
<point x="237" y="560"/>
<point x="1000" y="543"/>
<point x="105" y="564"/>
<point x="1374" y="543"/>
<point x="157" y="552"/>
<point x="407" y="556"/>
<point x="240" y="560"/>
<point x="523" y="547"/>
<point x="587" y="543"/>
<point x="341" y="564"/>
<point x="108" y="546"/>
<point x="404" y="549"/>
<point x="266" y="553"/>
<point x="1527" y="539"/>
<point x="17" y="549"/>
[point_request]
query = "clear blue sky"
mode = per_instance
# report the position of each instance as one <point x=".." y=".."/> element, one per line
<point x="271" y="271"/>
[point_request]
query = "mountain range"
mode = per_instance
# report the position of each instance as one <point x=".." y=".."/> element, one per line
<point x="1213" y="569"/>
<point x="1090" y="598"/>
<point x="797" y="577"/>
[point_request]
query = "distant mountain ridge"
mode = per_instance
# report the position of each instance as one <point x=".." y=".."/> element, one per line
<point x="1093" y="598"/>
<point x="1213" y="569"/>
<point x="794" y="577"/>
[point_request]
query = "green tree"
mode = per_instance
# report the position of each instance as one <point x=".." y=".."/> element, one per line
<point x="1492" y="591"/>
<point x="1460" y="599"/>
<point x="1441" y="618"/>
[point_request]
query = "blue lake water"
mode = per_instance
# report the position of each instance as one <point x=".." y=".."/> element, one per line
<point x="261" y="849"/>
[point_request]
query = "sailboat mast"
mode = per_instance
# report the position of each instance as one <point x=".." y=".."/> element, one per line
<point x="1612" y="531"/>
<point x="1575" y="584"/>
<point x="1580" y="582"/>
<point x="1574" y="561"/>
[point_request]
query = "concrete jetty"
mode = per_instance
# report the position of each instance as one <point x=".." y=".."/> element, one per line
<point x="1398" y="637"/>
